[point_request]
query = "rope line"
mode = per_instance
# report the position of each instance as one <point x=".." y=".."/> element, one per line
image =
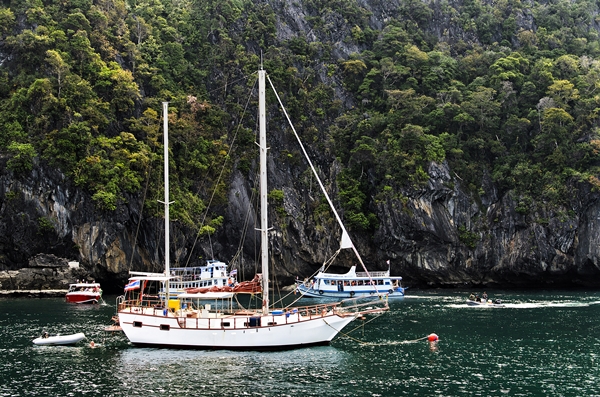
<point x="353" y="338"/>
<point x="369" y="343"/>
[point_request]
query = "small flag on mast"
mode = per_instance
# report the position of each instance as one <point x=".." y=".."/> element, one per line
<point x="135" y="284"/>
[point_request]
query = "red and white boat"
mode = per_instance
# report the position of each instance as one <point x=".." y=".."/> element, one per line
<point x="84" y="293"/>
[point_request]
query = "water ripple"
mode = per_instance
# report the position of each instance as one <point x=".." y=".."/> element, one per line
<point x="541" y="343"/>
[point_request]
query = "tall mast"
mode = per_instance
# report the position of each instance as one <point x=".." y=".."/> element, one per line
<point x="264" y="227"/>
<point x="166" y="202"/>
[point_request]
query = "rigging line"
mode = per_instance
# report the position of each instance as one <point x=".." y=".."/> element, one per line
<point x="364" y="323"/>
<point x="246" y="222"/>
<point x="310" y="163"/>
<point x="353" y="338"/>
<point x="324" y="267"/>
<point x="232" y="142"/>
<point x="219" y="178"/>
<point x="244" y="77"/>
<point x="137" y="229"/>
<point x="330" y="260"/>
<point x="283" y="298"/>
<point x="302" y="294"/>
<point x="240" y="248"/>
<point x="239" y="303"/>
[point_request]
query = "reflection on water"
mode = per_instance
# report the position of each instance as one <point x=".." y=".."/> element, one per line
<point x="228" y="372"/>
<point x="539" y="344"/>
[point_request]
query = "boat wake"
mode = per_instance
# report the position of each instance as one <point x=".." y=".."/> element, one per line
<point x="529" y="305"/>
<point x="537" y="305"/>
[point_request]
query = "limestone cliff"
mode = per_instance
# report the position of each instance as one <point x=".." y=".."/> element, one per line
<point x="443" y="234"/>
<point x="45" y="214"/>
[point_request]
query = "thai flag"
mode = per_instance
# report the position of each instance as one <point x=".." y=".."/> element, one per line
<point x="233" y="272"/>
<point x="132" y="285"/>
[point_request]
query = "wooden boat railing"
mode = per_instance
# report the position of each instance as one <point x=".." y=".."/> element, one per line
<point x="220" y="319"/>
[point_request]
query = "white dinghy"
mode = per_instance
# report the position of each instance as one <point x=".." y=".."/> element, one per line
<point x="47" y="340"/>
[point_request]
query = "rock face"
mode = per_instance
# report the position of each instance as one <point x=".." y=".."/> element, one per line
<point x="43" y="272"/>
<point x="495" y="245"/>
<point x="436" y="236"/>
<point x="43" y="213"/>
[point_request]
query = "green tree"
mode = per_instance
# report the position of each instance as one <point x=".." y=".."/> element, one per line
<point x="21" y="157"/>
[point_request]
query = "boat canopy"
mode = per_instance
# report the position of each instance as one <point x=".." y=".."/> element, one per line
<point x="149" y="276"/>
<point x="353" y="275"/>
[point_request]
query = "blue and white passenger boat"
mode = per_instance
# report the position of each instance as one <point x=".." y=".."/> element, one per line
<point x="351" y="285"/>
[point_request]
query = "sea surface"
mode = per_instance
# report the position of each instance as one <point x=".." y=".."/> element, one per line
<point x="543" y="343"/>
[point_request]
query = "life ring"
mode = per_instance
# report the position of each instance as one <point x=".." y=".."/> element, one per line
<point x="320" y="292"/>
<point x="390" y="291"/>
<point x="351" y="294"/>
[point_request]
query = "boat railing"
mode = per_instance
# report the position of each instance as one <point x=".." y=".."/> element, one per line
<point x="191" y="318"/>
<point x="223" y="319"/>
<point x="154" y="302"/>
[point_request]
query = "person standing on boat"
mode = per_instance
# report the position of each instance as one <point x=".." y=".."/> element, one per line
<point x="484" y="296"/>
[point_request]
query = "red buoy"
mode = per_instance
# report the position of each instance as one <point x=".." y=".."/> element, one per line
<point x="432" y="337"/>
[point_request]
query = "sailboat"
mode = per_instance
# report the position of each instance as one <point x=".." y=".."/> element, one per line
<point x="148" y="320"/>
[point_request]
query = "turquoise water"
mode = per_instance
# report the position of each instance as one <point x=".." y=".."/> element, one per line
<point x="539" y="344"/>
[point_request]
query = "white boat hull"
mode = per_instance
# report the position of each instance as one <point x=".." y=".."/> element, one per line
<point x="349" y="293"/>
<point x="59" y="340"/>
<point x="278" y="332"/>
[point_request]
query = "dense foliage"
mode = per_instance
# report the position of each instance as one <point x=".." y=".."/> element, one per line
<point x="509" y="89"/>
